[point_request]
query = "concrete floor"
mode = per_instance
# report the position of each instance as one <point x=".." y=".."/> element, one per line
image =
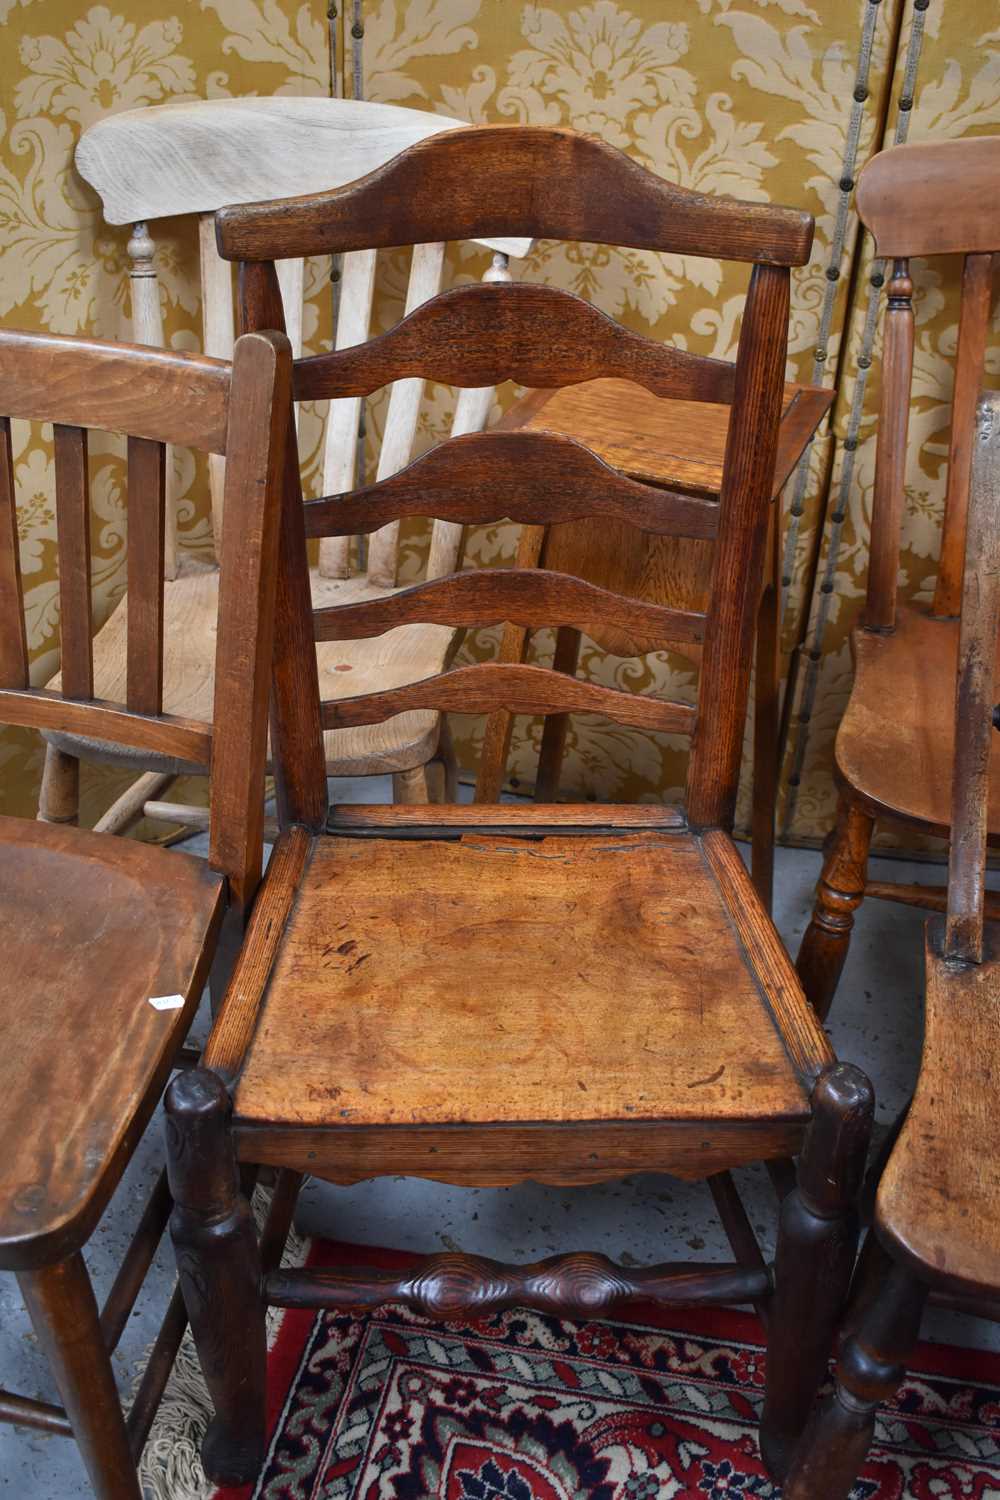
<point x="876" y="1023"/>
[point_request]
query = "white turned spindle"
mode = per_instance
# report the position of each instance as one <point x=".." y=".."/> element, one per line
<point x="472" y="410"/>
<point x="147" y="328"/>
<point x="291" y="280"/>
<point x="340" y="449"/>
<point x="218" y="337"/>
<point x="426" y="271"/>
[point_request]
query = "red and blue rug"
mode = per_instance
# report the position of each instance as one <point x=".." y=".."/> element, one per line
<point x="518" y="1406"/>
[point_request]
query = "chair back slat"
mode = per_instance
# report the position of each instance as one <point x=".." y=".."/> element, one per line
<point x="340" y="451"/>
<point x="147" y="508"/>
<point x="528" y="182"/>
<point x="520" y="596"/>
<point x="73" y="534"/>
<point x="534" y="478"/>
<point x="973" y="327"/>
<point x="13" y="633"/>
<point x="488" y="686"/>
<point x="426" y="272"/>
<point x="976" y="693"/>
<point x="534" y="335"/>
<point x="475" y="336"/>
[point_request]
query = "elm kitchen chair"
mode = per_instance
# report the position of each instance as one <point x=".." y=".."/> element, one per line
<point x="679" y="445"/>
<point x="895" y="747"/>
<point x="938" y="1200"/>
<point x="108" y="942"/>
<point x="402" y="1003"/>
<point x="193" y="158"/>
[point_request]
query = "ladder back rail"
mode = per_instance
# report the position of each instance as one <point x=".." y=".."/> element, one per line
<point x="519" y="596"/>
<point x="529" y="182"/>
<point x="530" y="477"/>
<point x="534" y="335"/>
<point x="521" y="689"/>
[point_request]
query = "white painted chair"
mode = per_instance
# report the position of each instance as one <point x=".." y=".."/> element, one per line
<point x="196" y="158"/>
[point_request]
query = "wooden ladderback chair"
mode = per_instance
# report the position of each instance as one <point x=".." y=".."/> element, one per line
<point x="108" y="942"/>
<point x="192" y="159"/>
<point x="894" y="747"/>
<point x="403" y="1003"/>
<point x="938" y="1198"/>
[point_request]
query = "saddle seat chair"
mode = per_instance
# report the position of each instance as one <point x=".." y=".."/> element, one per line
<point x="485" y="994"/>
<point x="895" y="748"/>
<point x="108" y="942"/>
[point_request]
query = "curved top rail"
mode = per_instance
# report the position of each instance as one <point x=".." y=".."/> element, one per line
<point x="522" y="180"/>
<point x="122" y="388"/>
<point x="197" y="156"/>
<point x="933" y="197"/>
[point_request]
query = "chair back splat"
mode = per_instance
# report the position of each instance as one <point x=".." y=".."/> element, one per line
<point x="532" y="183"/>
<point x="155" y="398"/>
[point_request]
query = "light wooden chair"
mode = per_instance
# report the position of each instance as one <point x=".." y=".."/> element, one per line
<point x="938" y="1201"/>
<point x="894" y="746"/>
<point x="485" y="994"/>
<point x="108" y="942"/>
<point x="194" y="158"/>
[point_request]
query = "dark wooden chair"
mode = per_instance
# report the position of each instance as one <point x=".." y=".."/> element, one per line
<point x="486" y="994"/>
<point x="677" y="445"/>
<point x="938" y="1202"/>
<point x="108" y="942"/>
<point x="894" y="746"/>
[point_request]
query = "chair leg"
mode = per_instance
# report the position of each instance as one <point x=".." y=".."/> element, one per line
<point x="411" y="788"/>
<point x="445" y="758"/>
<point x="817" y="1243"/>
<point x="831" y="1453"/>
<point x="59" y="799"/>
<point x="219" y="1267"/>
<point x="63" y="1310"/>
<point x="840" y="891"/>
<point x="556" y="728"/>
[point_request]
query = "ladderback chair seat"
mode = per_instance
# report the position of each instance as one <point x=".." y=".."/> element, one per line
<point x="94" y="929"/>
<point x="895" y="747"/>
<point x="191" y="604"/>
<point x="475" y="1000"/>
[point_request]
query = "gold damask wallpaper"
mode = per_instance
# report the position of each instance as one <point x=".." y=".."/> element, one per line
<point x="772" y="99"/>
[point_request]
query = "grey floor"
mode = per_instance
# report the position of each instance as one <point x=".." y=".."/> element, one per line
<point x="876" y="1023"/>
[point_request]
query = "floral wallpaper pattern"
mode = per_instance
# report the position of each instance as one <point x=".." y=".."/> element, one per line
<point x="777" y="100"/>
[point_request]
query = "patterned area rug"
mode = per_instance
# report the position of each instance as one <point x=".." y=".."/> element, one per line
<point x="523" y="1407"/>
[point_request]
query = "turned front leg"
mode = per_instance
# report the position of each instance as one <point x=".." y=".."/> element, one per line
<point x="873" y="1361"/>
<point x="817" y="1244"/>
<point x="840" y="892"/>
<point x="218" y="1262"/>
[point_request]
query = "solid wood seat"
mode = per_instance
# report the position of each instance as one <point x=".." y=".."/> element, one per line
<point x="191" y="606"/>
<point x="436" y="974"/>
<point x="895" y="746"/>
<point x="79" y="1030"/>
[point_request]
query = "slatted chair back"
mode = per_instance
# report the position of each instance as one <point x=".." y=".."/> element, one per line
<point x="537" y="183"/>
<point x="195" y="157"/>
<point x="925" y="199"/>
<point x="976" y="691"/>
<point x="155" y="398"/>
